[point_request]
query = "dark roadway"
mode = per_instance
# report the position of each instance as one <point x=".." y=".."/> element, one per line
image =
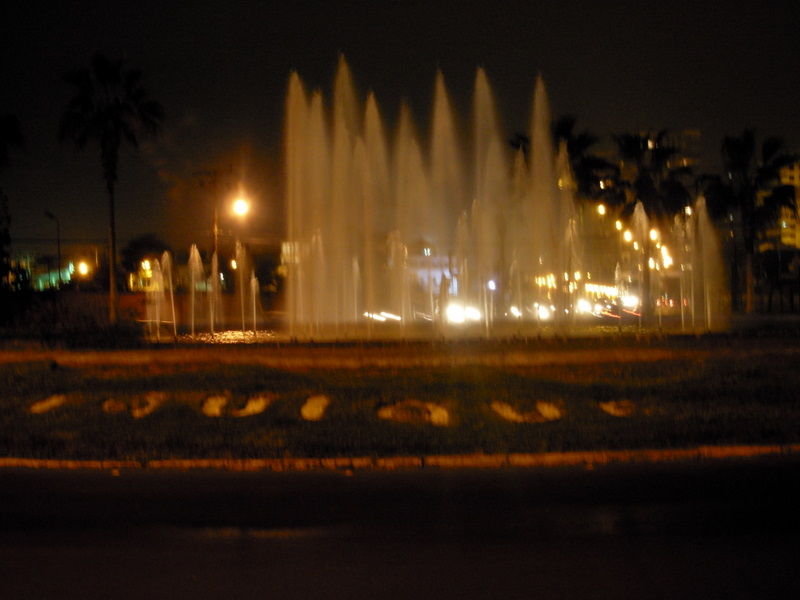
<point x="700" y="529"/>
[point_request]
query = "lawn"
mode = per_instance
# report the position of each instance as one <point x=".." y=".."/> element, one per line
<point x="699" y="393"/>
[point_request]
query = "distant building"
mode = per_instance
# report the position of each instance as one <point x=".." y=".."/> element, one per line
<point x="41" y="271"/>
<point x="786" y="232"/>
<point x="688" y="145"/>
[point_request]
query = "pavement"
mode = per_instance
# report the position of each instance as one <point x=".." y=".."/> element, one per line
<point x="348" y="465"/>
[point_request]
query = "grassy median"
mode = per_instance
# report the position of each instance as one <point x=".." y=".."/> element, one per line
<point x="188" y="410"/>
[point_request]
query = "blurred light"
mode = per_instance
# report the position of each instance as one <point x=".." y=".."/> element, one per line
<point x="491" y="285"/>
<point x="543" y="312"/>
<point x="241" y="206"/>
<point x="653" y="235"/>
<point x="629" y="301"/>
<point x="627" y="236"/>
<point x="83" y="268"/>
<point x="426" y="251"/>
<point x="458" y="313"/>
<point x="145" y="265"/>
<point x="618" y="225"/>
<point x="390" y="316"/>
<point x="601" y="208"/>
<point x="472" y="313"/>
<point x="233" y="264"/>
<point x="606" y="290"/>
<point x="688" y="211"/>
<point x="375" y="317"/>
<point x="515" y="312"/>
<point x="584" y="306"/>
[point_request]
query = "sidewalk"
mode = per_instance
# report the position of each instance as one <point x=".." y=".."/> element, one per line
<point x="346" y="465"/>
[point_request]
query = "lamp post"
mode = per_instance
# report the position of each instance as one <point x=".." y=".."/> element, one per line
<point x="52" y="217"/>
<point x="241" y="207"/>
<point x="211" y="178"/>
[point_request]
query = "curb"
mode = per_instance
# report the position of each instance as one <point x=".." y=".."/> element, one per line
<point x="347" y="465"/>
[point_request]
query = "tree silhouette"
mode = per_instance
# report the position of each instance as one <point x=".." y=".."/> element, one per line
<point x="648" y="177"/>
<point x="110" y="107"/>
<point x="10" y="135"/>
<point x="589" y="171"/>
<point x="147" y="245"/>
<point x="751" y="186"/>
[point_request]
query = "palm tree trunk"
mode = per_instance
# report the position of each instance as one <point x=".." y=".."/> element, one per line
<point x="113" y="302"/>
<point x="750" y="284"/>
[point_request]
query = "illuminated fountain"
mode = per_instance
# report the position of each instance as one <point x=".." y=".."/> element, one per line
<point x="203" y="311"/>
<point x="160" y="298"/>
<point x="448" y="233"/>
<point x="708" y="288"/>
<point x="408" y="235"/>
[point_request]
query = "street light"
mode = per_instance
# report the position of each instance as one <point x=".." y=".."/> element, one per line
<point x="52" y="217"/>
<point x="241" y="206"/>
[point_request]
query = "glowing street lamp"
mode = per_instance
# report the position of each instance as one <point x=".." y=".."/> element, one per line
<point x="241" y="206"/>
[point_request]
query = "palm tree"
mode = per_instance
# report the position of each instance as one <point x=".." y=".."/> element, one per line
<point x="110" y="107"/>
<point x="10" y="135"/>
<point x="589" y="171"/>
<point x="662" y="188"/>
<point x="751" y="187"/>
<point x="649" y="178"/>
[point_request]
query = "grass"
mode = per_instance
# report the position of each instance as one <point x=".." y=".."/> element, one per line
<point x="686" y="401"/>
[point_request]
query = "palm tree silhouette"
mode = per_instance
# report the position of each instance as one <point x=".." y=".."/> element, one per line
<point x="648" y="176"/>
<point x="110" y="107"/>
<point x="752" y="187"/>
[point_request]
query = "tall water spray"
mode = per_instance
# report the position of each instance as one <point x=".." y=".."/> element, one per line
<point x="708" y="274"/>
<point x="393" y="229"/>
<point x="196" y="277"/>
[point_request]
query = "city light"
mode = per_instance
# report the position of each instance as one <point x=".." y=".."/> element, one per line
<point x="460" y="313"/>
<point x="241" y="206"/>
<point x="543" y="312"/>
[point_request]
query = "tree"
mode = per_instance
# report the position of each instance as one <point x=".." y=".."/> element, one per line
<point x="649" y="178"/>
<point x="751" y="186"/>
<point x="139" y="248"/>
<point x="110" y="107"/>
<point x="10" y="135"/>
<point x="589" y="171"/>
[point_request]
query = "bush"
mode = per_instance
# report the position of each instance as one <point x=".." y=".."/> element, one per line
<point x="72" y="320"/>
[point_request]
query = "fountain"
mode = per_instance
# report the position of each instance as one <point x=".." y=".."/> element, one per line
<point x="386" y="232"/>
<point x="709" y="289"/>
<point x="196" y="277"/>
<point x="445" y="233"/>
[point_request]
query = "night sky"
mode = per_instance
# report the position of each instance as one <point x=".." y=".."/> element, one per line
<point x="220" y="69"/>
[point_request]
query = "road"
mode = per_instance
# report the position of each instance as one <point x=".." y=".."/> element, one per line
<point x="693" y="529"/>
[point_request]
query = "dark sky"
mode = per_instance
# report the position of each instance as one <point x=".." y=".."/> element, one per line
<point x="220" y="69"/>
